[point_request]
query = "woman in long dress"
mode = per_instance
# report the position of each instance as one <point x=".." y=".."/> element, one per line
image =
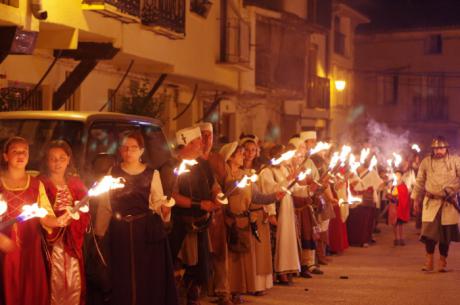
<point x="242" y="221"/>
<point x="141" y="270"/>
<point x="23" y="273"/>
<point x="63" y="189"/>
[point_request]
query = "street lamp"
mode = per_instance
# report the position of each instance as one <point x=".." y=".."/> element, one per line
<point x="340" y="85"/>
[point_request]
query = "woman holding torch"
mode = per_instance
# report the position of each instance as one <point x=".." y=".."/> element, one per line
<point x="64" y="188"/>
<point x="23" y="275"/>
<point x="140" y="260"/>
<point x="241" y="219"/>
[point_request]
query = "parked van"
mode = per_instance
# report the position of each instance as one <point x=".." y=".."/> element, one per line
<point x="93" y="136"/>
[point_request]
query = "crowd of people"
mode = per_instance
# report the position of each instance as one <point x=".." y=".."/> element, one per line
<point x="233" y="222"/>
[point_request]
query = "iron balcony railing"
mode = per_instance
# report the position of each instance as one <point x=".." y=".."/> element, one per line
<point x="318" y="92"/>
<point x="13" y="99"/>
<point x="169" y="14"/>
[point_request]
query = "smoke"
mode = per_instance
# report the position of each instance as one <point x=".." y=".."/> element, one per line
<point x="385" y="140"/>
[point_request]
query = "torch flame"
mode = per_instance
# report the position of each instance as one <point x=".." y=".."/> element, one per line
<point x="364" y="154"/>
<point x="183" y="167"/>
<point x="246" y="181"/>
<point x="284" y="157"/>
<point x="3" y="205"/>
<point x="416" y="147"/>
<point x="334" y="160"/>
<point x="373" y="163"/>
<point x="353" y="164"/>
<point x="398" y="159"/>
<point x="302" y="175"/>
<point x="395" y="179"/>
<point x="106" y="184"/>
<point x="319" y="147"/>
<point x="32" y="211"/>
<point x="346" y="150"/>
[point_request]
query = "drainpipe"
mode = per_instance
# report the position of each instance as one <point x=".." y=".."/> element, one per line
<point x="36" y="7"/>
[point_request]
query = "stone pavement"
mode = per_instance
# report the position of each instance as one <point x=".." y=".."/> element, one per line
<point x="379" y="274"/>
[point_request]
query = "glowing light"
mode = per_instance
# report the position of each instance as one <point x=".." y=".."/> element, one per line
<point x="334" y="160"/>
<point x="106" y="184"/>
<point x="284" y="157"/>
<point x="340" y="85"/>
<point x="364" y="154"/>
<point x="247" y="180"/>
<point x="346" y="150"/>
<point x="320" y="146"/>
<point x="398" y="159"/>
<point x="3" y="205"/>
<point x="302" y="175"/>
<point x="183" y="167"/>
<point x="373" y="163"/>
<point x="353" y="164"/>
<point x="31" y="211"/>
<point x="416" y="147"/>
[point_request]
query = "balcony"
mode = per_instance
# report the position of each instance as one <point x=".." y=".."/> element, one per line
<point x="13" y="99"/>
<point x="430" y="108"/>
<point x="164" y="16"/>
<point x="10" y="2"/>
<point x="318" y="92"/>
<point x="339" y="43"/>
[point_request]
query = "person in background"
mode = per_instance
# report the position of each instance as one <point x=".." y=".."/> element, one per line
<point x="64" y="189"/>
<point x="399" y="209"/>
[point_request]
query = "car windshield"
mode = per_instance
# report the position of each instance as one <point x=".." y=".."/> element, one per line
<point x="39" y="132"/>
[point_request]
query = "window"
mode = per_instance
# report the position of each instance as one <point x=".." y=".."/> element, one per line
<point x="433" y="44"/>
<point x="339" y="37"/>
<point x="389" y="89"/>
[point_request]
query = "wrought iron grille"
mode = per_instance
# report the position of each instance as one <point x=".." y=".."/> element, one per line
<point x="12" y="99"/>
<point x="166" y="13"/>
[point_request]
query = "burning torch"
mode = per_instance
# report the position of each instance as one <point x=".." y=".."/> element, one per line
<point x="28" y="212"/>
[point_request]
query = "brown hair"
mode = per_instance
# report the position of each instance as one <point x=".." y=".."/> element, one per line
<point x="70" y="170"/>
<point x="7" y="145"/>
<point x="136" y="135"/>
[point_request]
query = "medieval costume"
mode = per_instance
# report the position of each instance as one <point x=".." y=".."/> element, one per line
<point x="286" y="258"/>
<point x="437" y="183"/>
<point x="141" y="270"/>
<point x="243" y="219"/>
<point x="24" y="277"/>
<point x="65" y="244"/>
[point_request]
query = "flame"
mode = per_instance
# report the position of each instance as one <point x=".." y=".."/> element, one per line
<point x="350" y="198"/>
<point x="106" y="184"/>
<point x="416" y="147"/>
<point x="284" y="157"/>
<point x="3" y="205"/>
<point x="373" y="163"/>
<point x="364" y="154"/>
<point x="246" y="181"/>
<point x="398" y="159"/>
<point x="390" y="163"/>
<point x="183" y="167"/>
<point x="395" y="179"/>
<point x="32" y="211"/>
<point x="334" y="160"/>
<point x="346" y="150"/>
<point x="353" y="164"/>
<point x="302" y="175"/>
<point x="319" y="147"/>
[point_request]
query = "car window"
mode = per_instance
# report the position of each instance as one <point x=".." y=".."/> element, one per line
<point x="156" y="144"/>
<point x="39" y="132"/>
<point x="102" y="138"/>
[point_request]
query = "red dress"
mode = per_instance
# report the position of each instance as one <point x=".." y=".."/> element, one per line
<point x="24" y="279"/>
<point x="400" y="210"/>
<point x="338" y="238"/>
<point x="65" y="244"/>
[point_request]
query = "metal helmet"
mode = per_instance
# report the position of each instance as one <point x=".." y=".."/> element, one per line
<point x="439" y="142"/>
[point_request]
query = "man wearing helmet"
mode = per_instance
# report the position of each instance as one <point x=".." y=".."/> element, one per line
<point x="438" y="181"/>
